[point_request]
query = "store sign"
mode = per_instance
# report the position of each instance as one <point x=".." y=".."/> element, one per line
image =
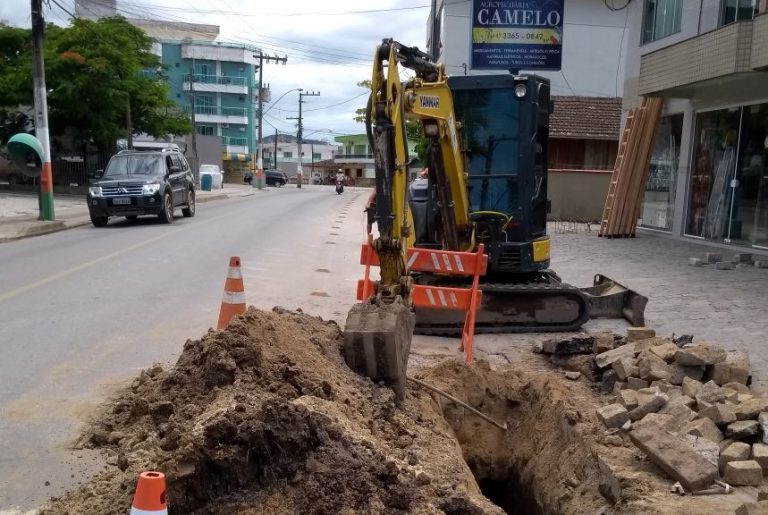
<point x="517" y="35"/>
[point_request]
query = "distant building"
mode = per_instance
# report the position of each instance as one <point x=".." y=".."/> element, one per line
<point x="286" y="158"/>
<point x="220" y="77"/>
<point x="355" y="158"/>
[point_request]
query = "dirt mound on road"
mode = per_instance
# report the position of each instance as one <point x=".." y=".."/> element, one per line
<point x="264" y="417"/>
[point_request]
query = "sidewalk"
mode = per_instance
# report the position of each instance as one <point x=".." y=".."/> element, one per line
<point x="19" y="211"/>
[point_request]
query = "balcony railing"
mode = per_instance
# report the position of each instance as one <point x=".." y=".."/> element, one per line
<point x="225" y="80"/>
<point x="219" y="110"/>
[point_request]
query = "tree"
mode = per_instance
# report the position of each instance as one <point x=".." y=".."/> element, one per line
<point x="94" y="71"/>
<point x="413" y="128"/>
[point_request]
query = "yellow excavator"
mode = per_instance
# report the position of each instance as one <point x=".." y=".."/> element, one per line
<point x="487" y="139"/>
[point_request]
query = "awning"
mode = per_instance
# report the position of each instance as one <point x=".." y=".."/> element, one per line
<point x="235" y="157"/>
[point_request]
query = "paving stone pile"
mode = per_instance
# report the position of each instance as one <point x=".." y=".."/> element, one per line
<point x="687" y="405"/>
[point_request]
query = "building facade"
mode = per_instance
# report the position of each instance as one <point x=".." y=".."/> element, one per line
<point x="215" y="83"/>
<point x="355" y="158"/>
<point x="285" y="154"/>
<point x="708" y="175"/>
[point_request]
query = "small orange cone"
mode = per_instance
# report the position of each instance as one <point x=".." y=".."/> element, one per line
<point x="149" y="498"/>
<point x="233" y="302"/>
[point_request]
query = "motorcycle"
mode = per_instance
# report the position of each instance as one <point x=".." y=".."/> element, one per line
<point x="339" y="187"/>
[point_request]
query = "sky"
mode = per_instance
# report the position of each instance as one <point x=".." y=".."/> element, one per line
<point x="329" y="45"/>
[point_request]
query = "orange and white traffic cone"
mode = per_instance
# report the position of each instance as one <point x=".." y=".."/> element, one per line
<point x="149" y="498"/>
<point x="233" y="302"/>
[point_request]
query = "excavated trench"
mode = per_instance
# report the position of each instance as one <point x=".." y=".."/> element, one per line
<point x="543" y="464"/>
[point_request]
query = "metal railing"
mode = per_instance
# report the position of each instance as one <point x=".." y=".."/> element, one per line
<point x="219" y="110"/>
<point x="224" y="80"/>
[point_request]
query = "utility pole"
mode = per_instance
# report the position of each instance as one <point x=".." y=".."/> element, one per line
<point x="434" y="49"/>
<point x="196" y="168"/>
<point x="260" y="164"/>
<point x="41" y="111"/>
<point x="299" y="171"/>
<point x="275" y="149"/>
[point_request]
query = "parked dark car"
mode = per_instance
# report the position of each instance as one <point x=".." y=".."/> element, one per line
<point x="275" y="178"/>
<point x="143" y="183"/>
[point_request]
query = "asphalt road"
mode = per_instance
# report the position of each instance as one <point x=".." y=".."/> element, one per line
<point x="83" y="311"/>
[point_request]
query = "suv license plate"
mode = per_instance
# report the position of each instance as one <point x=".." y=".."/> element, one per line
<point x="121" y="201"/>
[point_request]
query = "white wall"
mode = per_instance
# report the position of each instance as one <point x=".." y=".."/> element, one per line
<point x="594" y="45"/>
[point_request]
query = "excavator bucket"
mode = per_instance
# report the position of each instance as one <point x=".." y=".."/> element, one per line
<point x="377" y="341"/>
<point x="609" y="299"/>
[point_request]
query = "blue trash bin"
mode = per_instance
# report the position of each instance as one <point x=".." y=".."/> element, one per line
<point x="206" y="181"/>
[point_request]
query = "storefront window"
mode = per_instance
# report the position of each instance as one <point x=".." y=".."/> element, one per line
<point x="750" y="195"/>
<point x="659" y="199"/>
<point x="717" y="134"/>
<point x="729" y="181"/>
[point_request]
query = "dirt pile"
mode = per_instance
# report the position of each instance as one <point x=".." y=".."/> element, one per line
<point x="264" y="417"/>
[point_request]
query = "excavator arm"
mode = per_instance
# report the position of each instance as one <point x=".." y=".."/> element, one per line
<point x="375" y="343"/>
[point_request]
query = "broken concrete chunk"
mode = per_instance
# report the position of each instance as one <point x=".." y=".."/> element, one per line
<point x="680" y="416"/>
<point x="609" y="483"/>
<point x="731" y="396"/>
<point x="760" y="454"/>
<point x="566" y="346"/>
<point x="634" y="383"/>
<point x="619" y="386"/>
<point x="751" y="408"/>
<point x="708" y="450"/>
<point x="679" y="373"/>
<point x="725" y="265"/>
<point x="705" y="428"/>
<point x="613" y="415"/>
<point x="762" y="419"/>
<point x="573" y="376"/>
<point x="735" y="369"/>
<point x="720" y="414"/>
<point x="652" y="367"/>
<point x="698" y="354"/>
<point x="709" y="394"/>
<point x="651" y="406"/>
<point x="742" y="257"/>
<point x="653" y="419"/>
<point x="627" y="398"/>
<point x="762" y="493"/>
<point x="682" y="399"/>
<point x="737" y="451"/>
<point x="743" y="473"/>
<point x="607" y="358"/>
<point x="691" y="387"/>
<point x="742" y="429"/>
<point x="675" y="456"/>
<point x="639" y="333"/>
<point x="692" y="261"/>
<point x="665" y="351"/>
<point x="741" y="388"/>
<point x="761" y="263"/>
<point x="625" y="368"/>
<point x="603" y="342"/>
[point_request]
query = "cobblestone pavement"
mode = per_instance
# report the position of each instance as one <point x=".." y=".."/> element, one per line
<point x="725" y="306"/>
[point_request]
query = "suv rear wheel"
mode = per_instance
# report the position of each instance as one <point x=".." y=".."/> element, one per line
<point x="166" y="215"/>
<point x="189" y="211"/>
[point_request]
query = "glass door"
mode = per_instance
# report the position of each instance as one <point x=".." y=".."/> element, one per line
<point x="749" y="213"/>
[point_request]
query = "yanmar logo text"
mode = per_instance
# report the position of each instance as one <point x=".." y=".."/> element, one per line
<point x="427" y="102"/>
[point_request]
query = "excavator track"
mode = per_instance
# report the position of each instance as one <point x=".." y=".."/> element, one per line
<point x="514" y="308"/>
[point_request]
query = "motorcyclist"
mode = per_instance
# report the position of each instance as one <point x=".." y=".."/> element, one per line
<point x="340" y="178"/>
